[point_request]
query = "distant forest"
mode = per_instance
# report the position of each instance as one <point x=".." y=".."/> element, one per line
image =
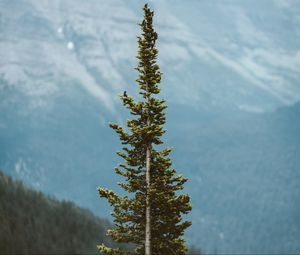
<point x="33" y="223"/>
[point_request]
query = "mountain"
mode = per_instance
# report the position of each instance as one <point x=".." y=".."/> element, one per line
<point x="32" y="223"/>
<point x="244" y="177"/>
<point x="231" y="73"/>
<point x="237" y="54"/>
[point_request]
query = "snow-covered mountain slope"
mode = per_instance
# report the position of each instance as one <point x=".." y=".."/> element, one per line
<point x="236" y="54"/>
<point x="227" y="66"/>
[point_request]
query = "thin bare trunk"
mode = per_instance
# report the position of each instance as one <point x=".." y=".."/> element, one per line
<point x="148" y="206"/>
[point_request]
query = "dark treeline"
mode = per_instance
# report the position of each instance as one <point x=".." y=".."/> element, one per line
<point x="32" y="223"/>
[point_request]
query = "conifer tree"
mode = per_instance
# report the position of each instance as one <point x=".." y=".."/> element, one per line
<point x="151" y="216"/>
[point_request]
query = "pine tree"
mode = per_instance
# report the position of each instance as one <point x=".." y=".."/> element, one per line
<point x="151" y="217"/>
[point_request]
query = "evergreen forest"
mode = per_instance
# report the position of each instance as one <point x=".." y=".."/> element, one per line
<point x="33" y="223"/>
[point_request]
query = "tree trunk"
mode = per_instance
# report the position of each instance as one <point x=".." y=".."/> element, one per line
<point x="148" y="206"/>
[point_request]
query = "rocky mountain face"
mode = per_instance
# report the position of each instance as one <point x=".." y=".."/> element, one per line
<point x="231" y="73"/>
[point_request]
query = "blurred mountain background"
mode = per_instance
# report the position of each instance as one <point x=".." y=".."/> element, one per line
<point x="231" y="81"/>
<point x="32" y="223"/>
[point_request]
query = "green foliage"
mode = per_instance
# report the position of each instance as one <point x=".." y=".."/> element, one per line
<point x="144" y="131"/>
<point x="31" y="223"/>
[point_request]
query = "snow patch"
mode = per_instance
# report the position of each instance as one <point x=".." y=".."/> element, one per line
<point x="70" y="45"/>
<point x="60" y="30"/>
